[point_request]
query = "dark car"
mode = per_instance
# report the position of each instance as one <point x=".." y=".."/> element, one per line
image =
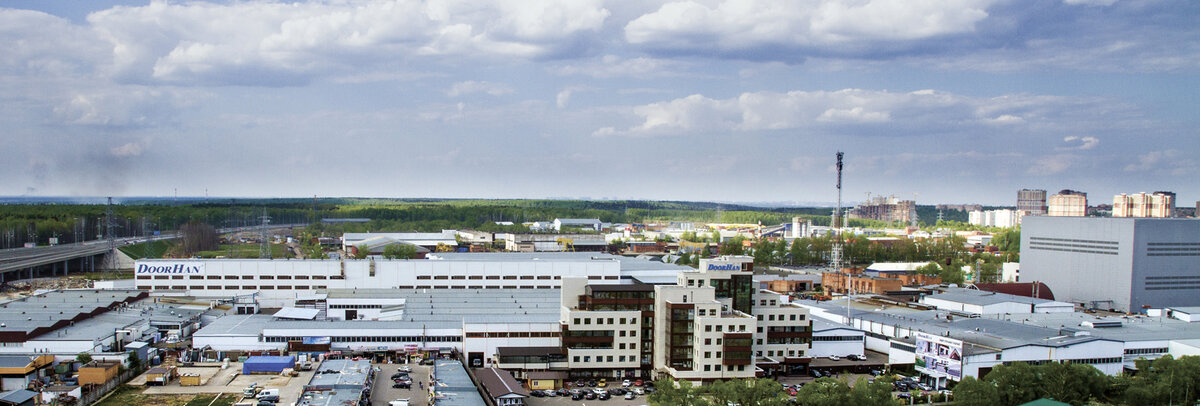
<point x="265" y="403"/>
<point x="564" y="392"/>
<point x="427" y="361"/>
<point x="603" y="396"/>
<point x="590" y="396"/>
<point x="592" y="382"/>
<point x="399" y="375"/>
<point x="536" y="393"/>
<point x="402" y="385"/>
<point x="650" y="389"/>
<point x="617" y="391"/>
<point x="270" y="398"/>
<point x="577" y="396"/>
<point x="580" y="383"/>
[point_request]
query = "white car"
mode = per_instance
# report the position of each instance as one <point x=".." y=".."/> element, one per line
<point x="834" y="358"/>
<point x="626" y="383"/>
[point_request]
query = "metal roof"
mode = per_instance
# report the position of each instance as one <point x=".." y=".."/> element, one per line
<point x="985" y="298"/>
<point x="454" y="387"/>
<point x="296" y="314"/>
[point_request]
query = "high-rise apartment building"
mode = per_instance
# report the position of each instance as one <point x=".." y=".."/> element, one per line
<point x="1067" y="203"/>
<point x="1157" y="204"/>
<point x="888" y="209"/>
<point x="995" y="218"/>
<point x="1031" y="202"/>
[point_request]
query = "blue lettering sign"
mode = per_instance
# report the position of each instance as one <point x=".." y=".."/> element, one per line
<point x="725" y="267"/>
<point x="180" y="268"/>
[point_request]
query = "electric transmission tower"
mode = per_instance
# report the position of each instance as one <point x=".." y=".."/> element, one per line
<point x="264" y="248"/>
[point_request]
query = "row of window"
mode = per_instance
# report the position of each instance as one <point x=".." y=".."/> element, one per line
<point x="601" y="320"/>
<point x="394" y="339"/>
<point x="1140" y="351"/>
<point x="356" y="306"/>
<point x="792" y="317"/>
<point x="517" y="334"/>
<point x="602" y="358"/>
<point x="779" y="353"/>
<point x="732" y="328"/>
<point x="238" y="277"/>
<point x="837" y="338"/>
<point x="237" y="287"/>
<point x="717" y="368"/>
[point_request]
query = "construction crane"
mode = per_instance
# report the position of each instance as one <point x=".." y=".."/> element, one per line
<point x="567" y="244"/>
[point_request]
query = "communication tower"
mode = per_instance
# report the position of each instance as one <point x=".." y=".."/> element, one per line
<point x="264" y="248"/>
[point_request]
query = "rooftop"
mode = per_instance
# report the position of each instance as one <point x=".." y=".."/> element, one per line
<point x="454" y="386"/>
<point x="985" y="298"/>
<point x="342" y="374"/>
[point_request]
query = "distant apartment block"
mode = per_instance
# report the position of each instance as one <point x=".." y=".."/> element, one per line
<point x="1031" y="202"/>
<point x="1157" y="204"/>
<point x="995" y="218"/>
<point x="887" y="208"/>
<point x="1068" y="203"/>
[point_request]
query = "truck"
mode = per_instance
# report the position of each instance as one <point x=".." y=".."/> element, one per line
<point x="398" y="402"/>
<point x="251" y="391"/>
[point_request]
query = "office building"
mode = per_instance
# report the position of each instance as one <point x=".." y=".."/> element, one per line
<point x="1031" y="202"/>
<point x="1114" y="263"/>
<point x="1157" y="204"/>
<point x="1068" y="203"/>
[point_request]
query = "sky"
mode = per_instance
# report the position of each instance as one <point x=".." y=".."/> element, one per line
<point x="714" y="100"/>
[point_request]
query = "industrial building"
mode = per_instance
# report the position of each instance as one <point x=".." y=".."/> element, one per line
<point x="429" y="241"/>
<point x="1123" y="264"/>
<point x="885" y="208"/>
<point x="278" y="283"/>
<point x="555" y="243"/>
<point x="980" y="302"/>
<point x="1004" y="218"/>
<point x="339" y="382"/>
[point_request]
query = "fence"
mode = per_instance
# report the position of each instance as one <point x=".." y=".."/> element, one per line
<point x="96" y="392"/>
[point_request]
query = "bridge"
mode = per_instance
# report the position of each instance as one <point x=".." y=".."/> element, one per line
<point x="29" y="263"/>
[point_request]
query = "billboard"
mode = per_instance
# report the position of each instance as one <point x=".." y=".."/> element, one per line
<point x="939" y="356"/>
<point x="170" y="268"/>
<point x="315" y="340"/>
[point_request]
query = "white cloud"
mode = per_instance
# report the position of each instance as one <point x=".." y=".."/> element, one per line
<point x="733" y="25"/>
<point x="471" y="86"/>
<point x="1105" y="3"/>
<point x="849" y="107"/>
<point x="563" y="98"/>
<point x="126" y="150"/>
<point x="1051" y="164"/>
<point x="1152" y="160"/>
<point x="610" y="66"/>
<point x="257" y="42"/>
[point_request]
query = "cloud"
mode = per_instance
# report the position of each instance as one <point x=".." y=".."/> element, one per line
<point x="1090" y="2"/>
<point x="610" y="66"/>
<point x="282" y="44"/>
<point x="563" y="97"/>
<point x="122" y="106"/>
<point x="1051" y="164"/>
<point x="471" y="86"/>
<point x="911" y="112"/>
<point x="756" y="29"/>
<point x="1156" y="160"/>
<point x="1080" y="143"/>
<point x="127" y="150"/>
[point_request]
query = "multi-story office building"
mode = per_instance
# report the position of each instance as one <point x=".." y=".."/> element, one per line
<point x="1114" y="263"/>
<point x="607" y="330"/>
<point x="1031" y="202"/>
<point x="700" y="339"/>
<point x="1157" y="204"/>
<point x="1068" y="203"/>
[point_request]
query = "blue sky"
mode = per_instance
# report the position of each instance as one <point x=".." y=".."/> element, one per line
<point x="729" y="100"/>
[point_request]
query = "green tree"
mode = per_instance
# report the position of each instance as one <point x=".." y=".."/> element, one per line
<point x="83" y="358"/>
<point x="824" y="392"/>
<point x="871" y="393"/>
<point x="134" y="362"/>
<point x="361" y="252"/>
<point x="761" y="392"/>
<point x="673" y="393"/>
<point x="1016" y="383"/>
<point x="974" y="392"/>
<point x="399" y="251"/>
<point x="1071" y="383"/>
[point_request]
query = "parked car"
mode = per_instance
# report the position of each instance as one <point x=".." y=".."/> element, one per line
<point x="603" y="396"/>
<point x="627" y="383"/>
<point x="564" y="392"/>
<point x="638" y="382"/>
<point x="402" y="385"/>
<point x="590" y="396"/>
<point x="399" y="375"/>
<point x="617" y="391"/>
<point x="602" y="383"/>
<point x="577" y="396"/>
<point x="406" y="369"/>
<point x="834" y="358"/>
<point x="551" y="393"/>
<point x="591" y="382"/>
<point x="638" y="391"/>
<point x="650" y="389"/>
<point x="630" y="396"/>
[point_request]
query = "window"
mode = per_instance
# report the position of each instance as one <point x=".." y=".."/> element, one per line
<point x="793" y="317"/>
<point x="707" y="354"/>
<point x="587" y="358"/>
<point x="609" y="358"/>
<point x="267" y="277"/>
<point x="707" y="341"/>
<point x="247" y="276"/>
<point x="283" y="277"/>
<point x="760" y="318"/>
<point x="708" y="329"/>
<point x="622" y="321"/>
<point x="633" y="346"/>
<point x="621" y="358"/>
<point x="231" y="277"/>
<point x="707" y="368"/>
<point x="717" y="368"/>
<point x="576" y="359"/>
<point x="621" y="346"/>
<point x="576" y="321"/>
<point x="587" y="321"/>
<point x="718" y="328"/>
<point x="600" y="320"/>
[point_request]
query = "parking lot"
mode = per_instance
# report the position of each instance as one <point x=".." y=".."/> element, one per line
<point x="561" y="401"/>
<point x="382" y="391"/>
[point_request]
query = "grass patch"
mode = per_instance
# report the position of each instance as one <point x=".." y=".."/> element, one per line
<point x="128" y="395"/>
<point x="100" y="276"/>
<point x="246" y="251"/>
<point x="157" y="249"/>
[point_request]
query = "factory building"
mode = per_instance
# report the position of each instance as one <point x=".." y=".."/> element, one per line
<point x="1114" y="263"/>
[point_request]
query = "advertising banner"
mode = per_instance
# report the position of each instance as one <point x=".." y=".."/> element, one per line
<point x="170" y="268"/>
<point x="939" y="356"/>
<point x="315" y="340"/>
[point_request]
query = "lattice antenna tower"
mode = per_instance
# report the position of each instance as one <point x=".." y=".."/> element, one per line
<point x="835" y="251"/>
<point x="264" y="248"/>
<point x="108" y="228"/>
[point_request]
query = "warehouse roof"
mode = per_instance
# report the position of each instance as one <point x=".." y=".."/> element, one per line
<point x="985" y="298"/>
